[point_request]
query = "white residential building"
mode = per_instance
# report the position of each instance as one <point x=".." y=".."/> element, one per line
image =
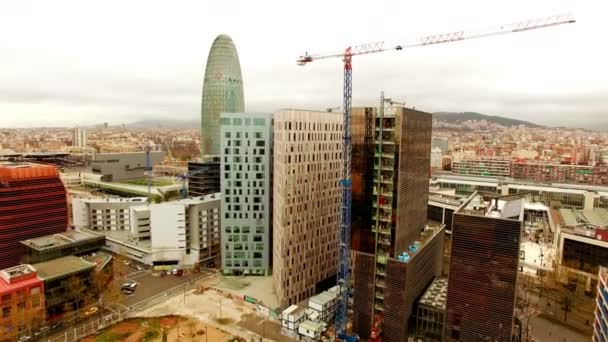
<point x="182" y="233"/>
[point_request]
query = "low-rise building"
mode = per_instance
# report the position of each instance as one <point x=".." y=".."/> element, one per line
<point x="183" y="233"/>
<point x="54" y="246"/>
<point x="21" y="301"/>
<point x="430" y="312"/>
<point x="115" y="167"/>
<point x="58" y="291"/>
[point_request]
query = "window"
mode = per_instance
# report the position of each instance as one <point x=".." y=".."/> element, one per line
<point x="259" y="143"/>
<point x="258" y="122"/>
<point x="259" y="230"/>
<point x="6" y="312"/>
<point x="227" y="134"/>
<point x="237" y="121"/>
<point x="245" y="230"/>
<point x="225" y="122"/>
<point x="258" y="135"/>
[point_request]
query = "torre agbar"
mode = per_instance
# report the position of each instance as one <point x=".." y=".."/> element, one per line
<point x="32" y="203"/>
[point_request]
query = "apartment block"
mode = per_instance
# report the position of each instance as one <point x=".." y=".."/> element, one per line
<point x="482" y="167"/>
<point x="483" y="270"/>
<point x="79" y="137"/>
<point x="105" y="214"/>
<point x="32" y="203"/>
<point x="441" y="143"/>
<point x="246" y="185"/>
<point x="181" y="233"/>
<point x="306" y="202"/>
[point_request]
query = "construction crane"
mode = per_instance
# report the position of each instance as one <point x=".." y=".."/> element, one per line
<point x="148" y="170"/>
<point x="345" y="183"/>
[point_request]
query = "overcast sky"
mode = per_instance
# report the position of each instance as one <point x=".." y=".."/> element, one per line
<point x="70" y="63"/>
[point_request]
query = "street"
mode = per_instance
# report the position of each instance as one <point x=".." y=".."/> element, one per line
<point x="149" y="286"/>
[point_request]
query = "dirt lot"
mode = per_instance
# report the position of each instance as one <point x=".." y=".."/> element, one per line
<point x="151" y="329"/>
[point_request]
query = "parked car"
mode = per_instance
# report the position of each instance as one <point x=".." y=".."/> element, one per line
<point x="129" y="286"/>
<point x="138" y="267"/>
<point x="42" y="331"/>
<point x="57" y="325"/>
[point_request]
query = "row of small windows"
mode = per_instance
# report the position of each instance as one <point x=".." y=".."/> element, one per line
<point x="239" y="184"/>
<point x="240" y="121"/>
<point x="259" y="151"/>
<point x="255" y="215"/>
<point x="244" y="230"/>
<point x="245" y="238"/>
<point x="237" y="199"/>
<point x="243" y="263"/>
<point x="256" y="167"/>
<point x="237" y="143"/>
<point x="309" y="126"/>
<point x="238" y="159"/>
<point x="237" y="175"/>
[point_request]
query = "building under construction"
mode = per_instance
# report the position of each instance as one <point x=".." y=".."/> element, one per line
<point x="406" y="253"/>
<point x="204" y="176"/>
<point x="32" y="204"/>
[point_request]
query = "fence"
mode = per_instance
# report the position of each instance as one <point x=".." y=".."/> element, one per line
<point x="90" y="327"/>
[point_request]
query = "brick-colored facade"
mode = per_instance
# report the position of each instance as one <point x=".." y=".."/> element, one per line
<point x="32" y="203"/>
<point x="306" y="202"/>
<point x="21" y="301"/>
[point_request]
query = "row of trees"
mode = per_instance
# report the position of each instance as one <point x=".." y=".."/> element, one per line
<point x="100" y="289"/>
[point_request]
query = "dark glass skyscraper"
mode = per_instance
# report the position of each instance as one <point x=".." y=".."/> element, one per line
<point x="222" y="92"/>
<point x="483" y="270"/>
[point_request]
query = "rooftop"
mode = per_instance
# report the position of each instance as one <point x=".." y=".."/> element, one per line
<point x="62" y="267"/>
<point x="435" y="296"/>
<point x="13" y="273"/>
<point x="479" y="205"/>
<point x="100" y="259"/>
<point x="58" y="240"/>
<point x="23" y="170"/>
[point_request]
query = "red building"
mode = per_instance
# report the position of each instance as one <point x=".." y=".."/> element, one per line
<point x="32" y="204"/>
<point x="21" y="301"/>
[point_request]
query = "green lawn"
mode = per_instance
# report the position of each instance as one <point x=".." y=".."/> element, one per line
<point x="144" y="182"/>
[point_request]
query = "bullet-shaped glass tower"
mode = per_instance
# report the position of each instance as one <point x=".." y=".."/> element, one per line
<point x="222" y="91"/>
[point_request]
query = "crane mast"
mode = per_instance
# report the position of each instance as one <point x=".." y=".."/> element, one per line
<point x="345" y="182"/>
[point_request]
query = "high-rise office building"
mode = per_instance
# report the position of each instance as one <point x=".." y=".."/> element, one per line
<point x="246" y="184"/>
<point x="441" y="143"/>
<point x="483" y="270"/>
<point x="406" y="253"/>
<point x="306" y="202"/>
<point x="33" y="203"/>
<point x="79" y="137"/>
<point x="222" y="91"/>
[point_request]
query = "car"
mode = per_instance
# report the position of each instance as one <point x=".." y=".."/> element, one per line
<point x="129" y="286"/>
<point x="91" y="311"/>
<point x="179" y="273"/>
<point x="57" y="325"/>
<point x="42" y="331"/>
<point x="126" y="262"/>
<point x="138" y="267"/>
<point x="163" y="273"/>
<point x="24" y="338"/>
<point x="174" y="271"/>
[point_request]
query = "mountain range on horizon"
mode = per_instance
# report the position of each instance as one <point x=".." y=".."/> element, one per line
<point x="447" y="117"/>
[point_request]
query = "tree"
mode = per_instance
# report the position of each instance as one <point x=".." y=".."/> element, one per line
<point x="75" y="290"/>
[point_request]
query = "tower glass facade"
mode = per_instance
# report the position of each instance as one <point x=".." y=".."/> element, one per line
<point x="222" y="91"/>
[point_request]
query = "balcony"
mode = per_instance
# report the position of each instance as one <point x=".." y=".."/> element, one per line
<point x="380" y="283"/>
